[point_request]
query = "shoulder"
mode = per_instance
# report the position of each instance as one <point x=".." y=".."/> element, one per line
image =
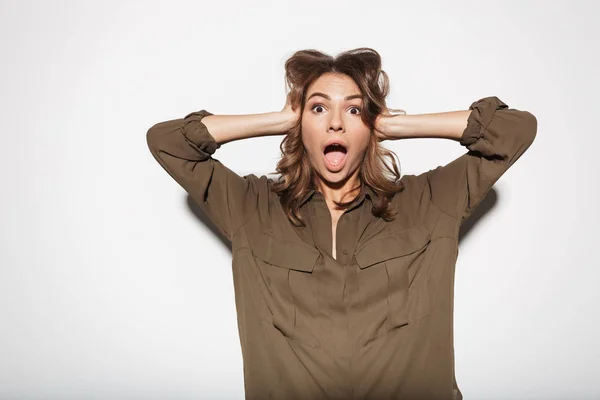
<point x="415" y="185"/>
<point x="412" y="202"/>
<point x="260" y="184"/>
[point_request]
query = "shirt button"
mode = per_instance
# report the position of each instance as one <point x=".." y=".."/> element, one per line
<point x="345" y="252"/>
<point x="346" y="217"/>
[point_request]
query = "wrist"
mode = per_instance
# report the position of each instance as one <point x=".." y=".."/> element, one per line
<point x="285" y="120"/>
<point x="395" y="126"/>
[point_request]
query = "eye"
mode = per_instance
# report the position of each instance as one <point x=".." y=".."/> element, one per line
<point x="315" y="106"/>
<point x="320" y="105"/>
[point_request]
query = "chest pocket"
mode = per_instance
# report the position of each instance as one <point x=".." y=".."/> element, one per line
<point x="393" y="285"/>
<point x="289" y="291"/>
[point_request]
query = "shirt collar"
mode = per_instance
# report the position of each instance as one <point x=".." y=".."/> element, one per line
<point x="368" y="192"/>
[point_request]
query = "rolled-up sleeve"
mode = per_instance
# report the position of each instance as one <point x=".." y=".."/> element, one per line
<point x="184" y="148"/>
<point x="496" y="136"/>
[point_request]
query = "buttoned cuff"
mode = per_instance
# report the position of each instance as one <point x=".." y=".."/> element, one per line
<point x="197" y="133"/>
<point x="480" y="118"/>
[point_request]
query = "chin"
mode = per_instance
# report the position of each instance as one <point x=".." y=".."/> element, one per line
<point x="334" y="177"/>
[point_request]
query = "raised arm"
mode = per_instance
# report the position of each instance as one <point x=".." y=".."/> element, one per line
<point x="184" y="148"/>
<point x="495" y="135"/>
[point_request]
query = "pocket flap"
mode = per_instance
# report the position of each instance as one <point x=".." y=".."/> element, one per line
<point x="285" y="254"/>
<point x="396" y="244"/>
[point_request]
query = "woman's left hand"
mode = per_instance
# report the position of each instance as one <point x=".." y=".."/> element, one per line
<point x="381" y="125"/>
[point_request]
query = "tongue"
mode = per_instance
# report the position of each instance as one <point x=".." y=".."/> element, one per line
<point x="334" y="157"/>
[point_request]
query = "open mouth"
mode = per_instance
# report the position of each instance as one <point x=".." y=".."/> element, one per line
<point x="335" y="156"/>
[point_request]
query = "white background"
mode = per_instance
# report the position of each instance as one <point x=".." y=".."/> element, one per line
<point x="112" y="287"/>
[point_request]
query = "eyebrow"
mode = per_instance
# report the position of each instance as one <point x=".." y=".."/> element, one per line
<point x="352" y="96"/>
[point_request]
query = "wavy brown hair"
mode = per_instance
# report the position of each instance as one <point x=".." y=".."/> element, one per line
<point x="363" y="65"/>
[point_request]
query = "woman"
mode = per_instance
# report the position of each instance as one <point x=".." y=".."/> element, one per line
<point x="343" y="270"/>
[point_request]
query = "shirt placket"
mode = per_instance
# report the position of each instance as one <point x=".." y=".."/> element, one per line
<point x="338" y="285"/>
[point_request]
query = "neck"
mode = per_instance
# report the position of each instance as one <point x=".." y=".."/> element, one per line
<point x="339" y="191"/>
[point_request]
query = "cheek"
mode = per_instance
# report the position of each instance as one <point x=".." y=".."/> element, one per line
<point x="362" y="142"/>
<point x="310" y="144"/>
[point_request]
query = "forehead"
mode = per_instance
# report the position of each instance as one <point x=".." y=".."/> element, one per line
<point x="335" y="85"/>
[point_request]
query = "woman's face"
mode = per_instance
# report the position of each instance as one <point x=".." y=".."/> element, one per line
<point x="332" y="114"/>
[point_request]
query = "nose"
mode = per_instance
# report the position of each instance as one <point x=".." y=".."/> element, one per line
<point x="335" y="123"/>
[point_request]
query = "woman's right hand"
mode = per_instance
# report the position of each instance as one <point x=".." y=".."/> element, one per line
<point x="292" y="116"/>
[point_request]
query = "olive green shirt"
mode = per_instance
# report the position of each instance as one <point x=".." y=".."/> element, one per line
<point x="377" y="323"/>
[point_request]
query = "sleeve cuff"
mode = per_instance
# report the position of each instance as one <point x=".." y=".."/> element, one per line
<point x="479" y="119"/>
<point x="197" y="133"/>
